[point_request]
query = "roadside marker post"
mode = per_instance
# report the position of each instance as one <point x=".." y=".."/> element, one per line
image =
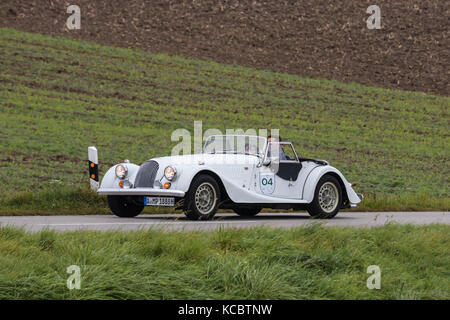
<point x="93" y="167"/>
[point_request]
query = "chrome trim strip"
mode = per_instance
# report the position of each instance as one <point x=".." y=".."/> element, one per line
<point x="141" y="192"/>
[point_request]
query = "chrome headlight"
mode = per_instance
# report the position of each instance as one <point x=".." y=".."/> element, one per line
<point x="121" y="171"/>
<point x="169" y="173"/>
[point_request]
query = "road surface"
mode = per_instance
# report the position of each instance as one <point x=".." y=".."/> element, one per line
<point x="179" y="221"/>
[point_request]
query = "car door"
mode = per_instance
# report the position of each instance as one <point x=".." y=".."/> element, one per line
<point x="279" y="177"/>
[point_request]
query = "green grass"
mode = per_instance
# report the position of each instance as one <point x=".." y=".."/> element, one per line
<point x="310" y="262"/>
<point x="59" y="96"/>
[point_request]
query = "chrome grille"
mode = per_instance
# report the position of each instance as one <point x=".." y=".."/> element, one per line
<point x="146" y="175"/>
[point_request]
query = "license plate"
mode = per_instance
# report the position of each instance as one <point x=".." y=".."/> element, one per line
<point x="159" y="201"/>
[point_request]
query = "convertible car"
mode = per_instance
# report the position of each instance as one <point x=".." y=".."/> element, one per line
<point x="238" y="172"/>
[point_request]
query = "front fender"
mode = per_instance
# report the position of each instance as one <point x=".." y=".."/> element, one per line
<point x="314" y="176"/>
<point x="187" y="173"/>
<point x="234" y="190"/>
<point x="110" y="179"/>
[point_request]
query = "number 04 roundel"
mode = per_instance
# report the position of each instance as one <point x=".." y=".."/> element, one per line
<point x="267" y="183"/>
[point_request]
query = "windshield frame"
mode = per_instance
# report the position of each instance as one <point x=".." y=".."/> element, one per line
<point x="281" y="143"/>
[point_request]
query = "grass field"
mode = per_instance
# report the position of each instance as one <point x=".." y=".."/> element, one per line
<point x="59" y="96"/>
<point x="304" y="263"/>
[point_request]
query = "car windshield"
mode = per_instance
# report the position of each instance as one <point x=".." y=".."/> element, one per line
<point x="235" y="144"/>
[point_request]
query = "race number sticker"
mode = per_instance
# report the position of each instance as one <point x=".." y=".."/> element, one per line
<point x="267" y="183"/>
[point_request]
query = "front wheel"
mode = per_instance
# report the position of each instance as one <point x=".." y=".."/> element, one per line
<point x="123" y="208"/>
<point x="327" y="198"/>
<point x="202" y="199"/>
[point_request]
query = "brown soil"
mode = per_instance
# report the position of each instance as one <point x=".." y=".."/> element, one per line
<point x="325" y="39"/>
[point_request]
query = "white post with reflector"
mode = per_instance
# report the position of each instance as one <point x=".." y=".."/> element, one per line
<point x="93" y="167"/>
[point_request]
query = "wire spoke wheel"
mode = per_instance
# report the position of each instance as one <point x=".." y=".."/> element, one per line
<point x="205" y="198"/>
<point x="328" y="197"/>
<point x="202" y="198"/>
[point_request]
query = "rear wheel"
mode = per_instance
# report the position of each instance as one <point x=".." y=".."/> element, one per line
<point x="247" y="211"/>
<point x="327" y="198"/>
<point x="202" y="199"/>
<point x="123" y="208"/>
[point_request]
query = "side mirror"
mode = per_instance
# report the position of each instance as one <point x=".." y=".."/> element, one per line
<point x="266" y="162"/>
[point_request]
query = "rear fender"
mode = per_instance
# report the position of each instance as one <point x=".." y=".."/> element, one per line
<point x="317" y="173"/>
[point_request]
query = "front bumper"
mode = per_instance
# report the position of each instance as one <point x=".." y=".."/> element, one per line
<point x="141" y="192"/>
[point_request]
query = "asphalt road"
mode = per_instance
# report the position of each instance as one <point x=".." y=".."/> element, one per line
<point x="179" y="221"/>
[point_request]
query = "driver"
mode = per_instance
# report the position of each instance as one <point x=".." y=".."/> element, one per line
<point x="276" y="149"/>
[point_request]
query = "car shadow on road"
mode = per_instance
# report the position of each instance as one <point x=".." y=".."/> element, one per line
<point x="232" y="217"/>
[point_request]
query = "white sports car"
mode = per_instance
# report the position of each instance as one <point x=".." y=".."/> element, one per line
<point x="239" y="172"/>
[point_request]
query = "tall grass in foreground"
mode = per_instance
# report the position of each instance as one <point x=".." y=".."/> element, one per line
<point x="310" y="262"/>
